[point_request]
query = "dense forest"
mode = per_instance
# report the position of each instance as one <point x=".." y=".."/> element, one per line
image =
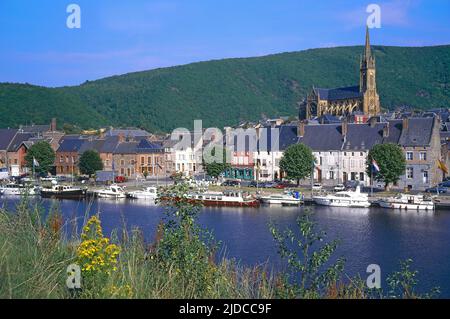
<point x="223" y="92"/>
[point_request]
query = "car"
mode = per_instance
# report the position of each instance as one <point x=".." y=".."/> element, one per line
<point x="230" y="183"/>
<point x="317" y="187"/>
<point x="120" y="179"/>
<point x="270" y="185"/>
<point x="339" y="188"/>
<point x="253" y="184"/>
<point x="445" y="184"/>
<point x="281" y="185"/>
<point x="437" y="190"/>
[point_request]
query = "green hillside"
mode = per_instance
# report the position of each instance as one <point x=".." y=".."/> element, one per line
<point x="226" y="91"/>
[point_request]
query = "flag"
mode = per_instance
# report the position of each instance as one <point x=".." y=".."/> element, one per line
<point x="35" y="162"/>
<point x="442" y="167"/>
<point x="375" y="166"/>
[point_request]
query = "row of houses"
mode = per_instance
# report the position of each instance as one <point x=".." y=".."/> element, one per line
<point x="340" y="147"/>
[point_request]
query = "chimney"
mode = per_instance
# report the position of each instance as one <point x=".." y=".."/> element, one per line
<point x="405" y="123"/>
<point x="301" y="129"/>
<point x="53" y="125"/>
<point x="386" y="130"/>
<point x="344" y="127"/>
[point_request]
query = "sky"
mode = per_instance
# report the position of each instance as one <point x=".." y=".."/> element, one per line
<point x="117" y="36"/>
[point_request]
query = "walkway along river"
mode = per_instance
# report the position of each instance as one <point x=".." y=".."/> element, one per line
<point x="368" y="236"/>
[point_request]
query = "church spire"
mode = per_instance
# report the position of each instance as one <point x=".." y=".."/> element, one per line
<point x="368" y="51"/>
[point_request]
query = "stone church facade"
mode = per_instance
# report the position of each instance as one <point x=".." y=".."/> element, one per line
<point x="343" y="101"/>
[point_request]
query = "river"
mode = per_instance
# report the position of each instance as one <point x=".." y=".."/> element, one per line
<point x="368" y="236"/>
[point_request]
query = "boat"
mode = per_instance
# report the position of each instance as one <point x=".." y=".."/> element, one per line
<point x="408" y="202"/>
<point x="225" y="198"/>
<point x="18" y="189"/>
<point x="344" y="199"/>
<point x="150" y="192"/>
<point x="287" y="198"/>
<point x="63" y="191"/>
<point x="113" y="191"/>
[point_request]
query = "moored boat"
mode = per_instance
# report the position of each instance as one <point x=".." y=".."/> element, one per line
<point x="226" y="198"/>
<point x="63" y="191"/>
<point x="150" y="193"/>
<point x="287" y="198"/>
<point x="408" y="202"/>
<point x="13" y="189"/>
<point x="113" y="191"/>
<point x="344" y="199"/>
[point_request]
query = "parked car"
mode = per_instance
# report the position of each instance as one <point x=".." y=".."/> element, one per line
<point x="339" y="188"/>
<point x="437" y="190"/>
<point x="270" y="185"/>
<point x="317" y="187"/>
<point x="445" y="184"/>
<point x="120" y="179"/>
<point x="230" y="183"/>
<point x="253" y="184"/>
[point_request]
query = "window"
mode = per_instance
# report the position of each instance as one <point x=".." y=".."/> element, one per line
<point x="423" y="156"/>
<point x="361" y="176"/>
<point x="409" y="156"/>
<point x="409" y="173"/>
<point x="425" y="177"/>
<point x="331" y="175"/>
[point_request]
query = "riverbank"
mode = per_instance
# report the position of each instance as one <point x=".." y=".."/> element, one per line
<point x="35" y="254"/>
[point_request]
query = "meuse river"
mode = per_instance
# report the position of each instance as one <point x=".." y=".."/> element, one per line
<point x="368" y="236"/>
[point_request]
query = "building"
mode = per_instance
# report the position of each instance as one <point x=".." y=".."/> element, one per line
<point x="347" y="100"/>
<point x="186" y="153"/>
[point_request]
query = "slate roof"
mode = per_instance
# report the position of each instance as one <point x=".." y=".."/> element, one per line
<point x="36" y="128"/>
<point x="71" y="145"/>
<point x="18" y="139"/>
<point x="109" y="144"/>
<point x="323" y="137"/>
<point x="343" y="93"/>
<point x="145" y="146"/>
<point x="128" y="132"/>
<point x="126" y="148"/>
<point x="418" y="133"/>
<point x="6" y="136"/>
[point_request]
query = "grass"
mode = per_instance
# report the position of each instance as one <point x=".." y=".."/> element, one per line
<point x="35" y="253"/>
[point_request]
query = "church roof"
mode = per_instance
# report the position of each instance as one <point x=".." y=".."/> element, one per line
<point x="343" y="93"/>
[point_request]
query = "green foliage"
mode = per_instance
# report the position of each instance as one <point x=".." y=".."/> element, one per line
<point x="402" y="283"/>
<point x="217" y="162"/>
<point x="297" y="161"/>
<point x="311" y="274"/>
<point x="90" y="162"/>
<point x="390" y="159"/>
<point x="226" y="91"/>
<point x="44" y="154"/>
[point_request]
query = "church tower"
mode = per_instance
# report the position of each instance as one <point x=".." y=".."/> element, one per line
<point x="367" y="82"/>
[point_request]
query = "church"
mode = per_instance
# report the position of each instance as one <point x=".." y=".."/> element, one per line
<point x="347" y="100"/>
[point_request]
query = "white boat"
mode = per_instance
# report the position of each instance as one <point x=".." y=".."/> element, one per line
<point x="344" y="199"/>
<point x="226" y="198"/>
<point x="287" y="198"/>
<point x="148" y="193"/>
<point x="408" y="202"/>
<point x="13" y="189"/>
<point x="113" y="191"/>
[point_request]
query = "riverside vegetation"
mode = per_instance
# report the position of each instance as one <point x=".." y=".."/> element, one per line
<point x="36" y="249"/>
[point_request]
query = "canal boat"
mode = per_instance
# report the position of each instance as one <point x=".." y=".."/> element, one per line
<point x="288" y="198"/>
<point x="349" y="198"/>
<point x="408" y="202"/>
<point x="63" y="192"/>
<point x="226" y="198"/>
<point x="13" y="189"/>
<point x="112" y="191"/>
<point x="150" y="193"/>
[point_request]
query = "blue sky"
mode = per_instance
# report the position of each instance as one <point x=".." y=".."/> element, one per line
<point x="117" y="37"/>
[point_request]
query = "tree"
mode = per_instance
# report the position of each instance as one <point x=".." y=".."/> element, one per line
<point x="43" y="155"/>
<point x="90" y="162"/>
<point x="391" y="161"/>
<point x="297" y="162"/>
<point x="216" y="165"/>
